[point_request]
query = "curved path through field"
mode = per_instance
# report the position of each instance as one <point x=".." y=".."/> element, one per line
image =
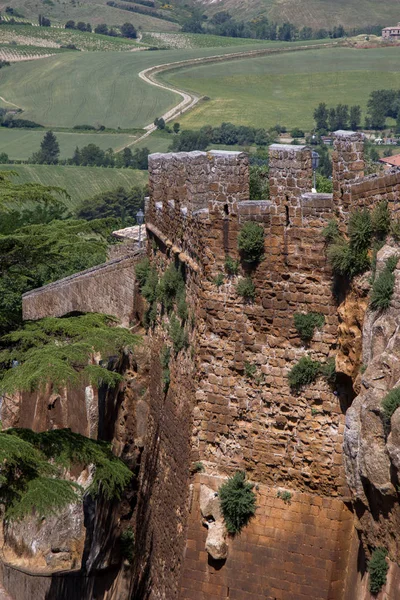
<point x="189" y="99"/>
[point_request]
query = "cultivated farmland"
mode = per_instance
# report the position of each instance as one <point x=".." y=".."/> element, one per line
<point x="102" y="87"/>
<point x="80" y="182"/>
<point x="285" y="88"/>
<point x="54" y="37"/>
<point x="92" y="11"/>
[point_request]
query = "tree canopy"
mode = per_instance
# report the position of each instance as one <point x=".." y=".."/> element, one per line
<point x="34" y="465"/>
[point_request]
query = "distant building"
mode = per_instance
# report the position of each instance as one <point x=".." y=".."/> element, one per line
<point x="391" y="161"/>
<point x="391" y="33"/>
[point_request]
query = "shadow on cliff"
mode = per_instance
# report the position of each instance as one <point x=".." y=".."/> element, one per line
<point x="141" y="572"/>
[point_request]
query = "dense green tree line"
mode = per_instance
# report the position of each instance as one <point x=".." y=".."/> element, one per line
<point x="222" y="23"/>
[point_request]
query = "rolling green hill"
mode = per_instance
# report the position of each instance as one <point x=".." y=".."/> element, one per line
<point x="285" y="88"/>
<point x="96" y="87"/>
<point x="89" y="11"/>
<point x="311" y="13"/>
<point x="80" y="182"/>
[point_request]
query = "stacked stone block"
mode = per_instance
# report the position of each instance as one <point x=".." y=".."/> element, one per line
<point x="347" y="165"/>
<point x="290" y="173"/>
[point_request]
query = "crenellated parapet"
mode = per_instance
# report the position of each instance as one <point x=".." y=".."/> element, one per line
<point x="290" y="173"/>
<point x="347" y="164"/>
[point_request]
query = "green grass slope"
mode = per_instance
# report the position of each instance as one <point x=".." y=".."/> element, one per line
<point x="89" y="11"/>
<point x="19" y="144"/>
<point x="285" y="88"/>
<point x="80" y="182"/>
<point x="95" y="87"/>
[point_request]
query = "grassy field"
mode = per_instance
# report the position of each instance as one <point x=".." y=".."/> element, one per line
<point x="89" y="11"/>
<point x="285" y="88"/>
<point x="47" y="37"/>
<point x="193" y="40"/>
<point x="80" y="182"/>
<point x="19" y="144"/>
<point x="96" y="87"/>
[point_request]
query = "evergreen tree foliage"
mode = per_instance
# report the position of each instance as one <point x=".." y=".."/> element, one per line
<point x="14" y="195"/>
<point x="39" y="254"/>
<point x="58" y="351"/>
<point x="49" y="150"/>
<point x="118" y="203"/>
<point x="238" y="502"/>
<point x="34" y="467"/>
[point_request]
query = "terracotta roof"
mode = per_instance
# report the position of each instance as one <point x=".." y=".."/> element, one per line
<point x="392" y="160"/>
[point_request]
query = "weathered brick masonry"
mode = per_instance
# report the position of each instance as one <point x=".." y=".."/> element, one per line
<point x="108" y="288"/>
<point x="213" y="412"/>
<point x="198" y="202"/>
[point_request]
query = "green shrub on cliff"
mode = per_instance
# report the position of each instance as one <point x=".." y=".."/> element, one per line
<point x="251" y="242"/>
<point x="231" y="265"/>
<point x="238" y="502"/>
<point x="245" y="288"/>
<point x="377" y="568"/>
<point x="349" y="257"/>
<point x="306" y="371"/>
<point x="383" y="286"/>
<point x="380" y="219"/>
<point x="391" y="402"/>
<point x="178" y="334"/>
<point x="303" y="373"/>
<point x="142" y="270"/>
<point x="172" y="287"/>
<point x="127" y="543"/>
<point x="165" y="356"/>
<point x="58" y="351"/>
<point x="306" y="323"/>
<point x="33" y="470"/>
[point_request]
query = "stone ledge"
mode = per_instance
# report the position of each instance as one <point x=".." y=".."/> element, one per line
<point x="110" y="265"/>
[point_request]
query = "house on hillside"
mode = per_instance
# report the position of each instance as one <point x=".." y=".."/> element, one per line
<point x="391" y="33"/>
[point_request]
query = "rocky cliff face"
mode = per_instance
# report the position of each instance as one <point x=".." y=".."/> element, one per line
<point x="371" y="445"/>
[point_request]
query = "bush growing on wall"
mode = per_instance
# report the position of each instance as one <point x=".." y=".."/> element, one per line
<point x="245" y="288"/>
<point x="306" y="323"/>
<point x="383" y="287"/>
<point x="238" y="502"/>
<point x="231" y="265"/>
<point x="349" y="257"/>
<point x="391" y="402"/>
<point x="304" y="372"/>
<point x="377" y="568"/>
<point x="251" y="242"/>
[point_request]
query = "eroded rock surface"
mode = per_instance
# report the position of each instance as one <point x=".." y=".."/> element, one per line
<point x="216" y="545"/>
<point x="371" y="446"/>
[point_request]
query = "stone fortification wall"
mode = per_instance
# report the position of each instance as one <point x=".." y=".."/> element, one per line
<point x="347" y="163"/>
<point x="108" y="288"/>
<point x="238" y="422"/>
<point x="368" y="191"/>
<point x="291" y="550"/>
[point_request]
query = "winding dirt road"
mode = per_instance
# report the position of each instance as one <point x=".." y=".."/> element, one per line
<point x="189" y="100"/>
